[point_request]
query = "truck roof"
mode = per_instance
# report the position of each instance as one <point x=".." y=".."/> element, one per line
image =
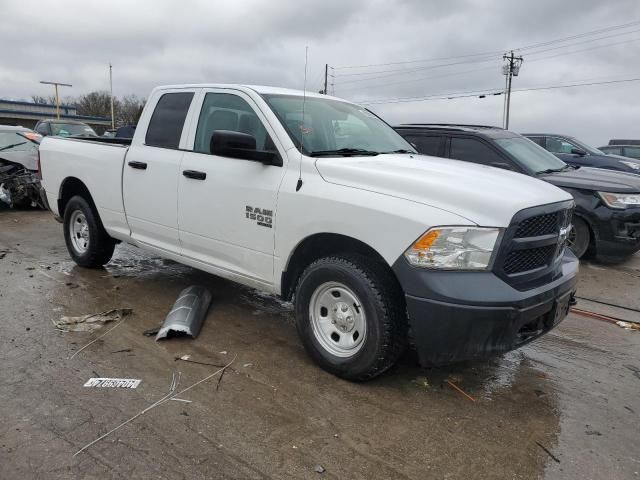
<point x="260" y="89"/>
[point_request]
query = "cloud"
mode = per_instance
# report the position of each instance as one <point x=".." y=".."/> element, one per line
<point x="262" y="42"/>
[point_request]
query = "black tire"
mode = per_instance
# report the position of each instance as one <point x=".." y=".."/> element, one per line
<point x="382" y="300"/>
<point x="579" y="238"/>
<point x="100" y="245"/>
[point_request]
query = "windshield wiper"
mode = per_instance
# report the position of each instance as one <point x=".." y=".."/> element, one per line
<point x="11" y="146"/>
<point x="554" y="170"/>
<point x="345" y="152"/>
<point x="401" y="150"/>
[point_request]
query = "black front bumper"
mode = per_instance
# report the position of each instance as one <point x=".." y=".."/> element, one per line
<point x="617" y="232"/>
<point x="458" y="316"/>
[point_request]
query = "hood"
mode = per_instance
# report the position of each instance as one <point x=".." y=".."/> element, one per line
<point x="484" y="195"/>
<point x="600" y="179"/>
<point x="28" y="159"/>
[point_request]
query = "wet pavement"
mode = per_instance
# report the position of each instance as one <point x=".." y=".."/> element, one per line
<point x="566" y="406"/>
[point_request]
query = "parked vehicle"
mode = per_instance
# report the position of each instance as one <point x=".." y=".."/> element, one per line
<point x="317" y="199"/>
<point x="125" y="131"/>
<point x="629" y="151"/>
<point x="18" y="167"/>
<point x="579" y="154"/>
<point x="606" y="222"/>
<point x="64" y="128"/>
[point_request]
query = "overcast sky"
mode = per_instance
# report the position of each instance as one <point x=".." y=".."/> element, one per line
<point x="263" y="42"/>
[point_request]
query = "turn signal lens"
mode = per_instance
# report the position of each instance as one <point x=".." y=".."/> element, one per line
<point x="454" y="248"/>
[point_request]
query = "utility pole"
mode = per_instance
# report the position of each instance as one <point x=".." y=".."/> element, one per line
<point x="57" y="84"/>
<point x="510" y="69"/>
<point x="326" y="76"/>
<point x="113" y="121"/>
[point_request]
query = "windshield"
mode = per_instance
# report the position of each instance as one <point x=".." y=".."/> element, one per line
<point x="587" y="148"/>
<point x="530" y="155"/>
<point x="332" y="127"/>
<point x="70" y="129"/>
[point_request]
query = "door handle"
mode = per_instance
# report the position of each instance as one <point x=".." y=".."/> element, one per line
<point x="138" y="165"/>
<point x="196" y="175"/>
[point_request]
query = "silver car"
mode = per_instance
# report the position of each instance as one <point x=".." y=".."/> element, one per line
<point x="19" y="185"/>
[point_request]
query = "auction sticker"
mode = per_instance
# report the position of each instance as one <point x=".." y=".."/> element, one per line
<point x="113" y="382"/>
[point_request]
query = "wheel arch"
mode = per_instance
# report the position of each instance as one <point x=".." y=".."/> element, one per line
<point x="70" y="187"/>
<point x="319" y="245"/>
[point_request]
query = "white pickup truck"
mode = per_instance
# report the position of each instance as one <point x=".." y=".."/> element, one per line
<point x="317" y="199"/>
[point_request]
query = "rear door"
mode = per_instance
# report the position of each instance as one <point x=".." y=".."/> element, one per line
<point x="151" y="171"/>
<point x="227" y="206"/>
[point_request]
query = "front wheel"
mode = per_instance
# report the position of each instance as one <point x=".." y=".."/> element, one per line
<point x="351" y="316"/>
<point x="88" y="243"/>
<point x="579" y="237"/>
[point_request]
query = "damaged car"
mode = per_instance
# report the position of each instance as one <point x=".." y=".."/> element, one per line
<point x="19" y="184"/>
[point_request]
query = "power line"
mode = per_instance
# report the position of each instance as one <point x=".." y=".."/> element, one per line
<point x="579" y="35"/>
<point x="496" y="52"/>
<point x="491" y="92"/>
<point x="423" y="60"/>
<point x="431" y="67"/>
<point x="583" y="42"/>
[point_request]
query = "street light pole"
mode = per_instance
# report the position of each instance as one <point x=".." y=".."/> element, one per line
<point x="113" y="121"/>
<point x="56" y="85"/>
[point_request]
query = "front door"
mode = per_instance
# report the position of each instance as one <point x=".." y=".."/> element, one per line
<point x="227" y="206"/>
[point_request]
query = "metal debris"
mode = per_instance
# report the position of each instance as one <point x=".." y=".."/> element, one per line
<point x="113" y="383"/>
<point x="188" y="313"/>
<point x="92" y="322"/>
<point x="319" y="469"/>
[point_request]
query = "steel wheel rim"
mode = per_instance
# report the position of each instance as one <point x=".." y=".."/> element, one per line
<point x="79" y="231"/>
<point x="338" y="319"/>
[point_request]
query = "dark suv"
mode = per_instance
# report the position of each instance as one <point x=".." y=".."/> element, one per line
<point x="577" y="153"/>
<point x="606" y="221"/>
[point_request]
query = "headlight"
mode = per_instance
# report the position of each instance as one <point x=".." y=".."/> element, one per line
<point x="634" y="165"/>
<point x="620" y="200"/>
<point x="454" y="248"/>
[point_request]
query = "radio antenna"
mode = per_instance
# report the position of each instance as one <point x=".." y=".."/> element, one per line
<point x="304" y="101"/>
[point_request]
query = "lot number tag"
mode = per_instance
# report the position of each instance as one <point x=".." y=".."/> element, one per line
<point x="113" y="383"/>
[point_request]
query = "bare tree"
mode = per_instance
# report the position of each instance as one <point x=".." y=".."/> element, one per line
<point x="129" y="110"/>
<point x="95" y="104"/>
<point x="39" y="99"/>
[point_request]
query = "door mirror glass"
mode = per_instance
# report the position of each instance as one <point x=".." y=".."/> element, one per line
<point x="226" y="143"/>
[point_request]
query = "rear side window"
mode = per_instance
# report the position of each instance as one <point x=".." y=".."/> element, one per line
<point x="612" y="150"/>
<point x="167" y="121"/>
<point x="633" y="152"/>
<point x="471" y="150"/>
<point x="426" y="144"/>
<point x="538" y="140"/>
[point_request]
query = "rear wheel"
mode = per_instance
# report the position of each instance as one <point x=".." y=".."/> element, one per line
<point x="350" y="315"/>
<point x="579" y="237"/>
<point x="87" y="241"/>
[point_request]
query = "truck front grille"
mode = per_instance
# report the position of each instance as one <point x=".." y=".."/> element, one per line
<point x="533" y="244"/>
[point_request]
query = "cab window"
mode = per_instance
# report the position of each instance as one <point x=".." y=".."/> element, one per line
<point x="226" y="111"/>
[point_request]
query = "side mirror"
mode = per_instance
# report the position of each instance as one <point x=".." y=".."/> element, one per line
<point x="227" y="143"/>
<point x="503" y="165"/>
<point x="578" y="151"/>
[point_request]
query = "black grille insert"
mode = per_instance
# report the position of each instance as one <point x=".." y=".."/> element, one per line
<point x="525" y="260"/>
<point x="539" y="225"/>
